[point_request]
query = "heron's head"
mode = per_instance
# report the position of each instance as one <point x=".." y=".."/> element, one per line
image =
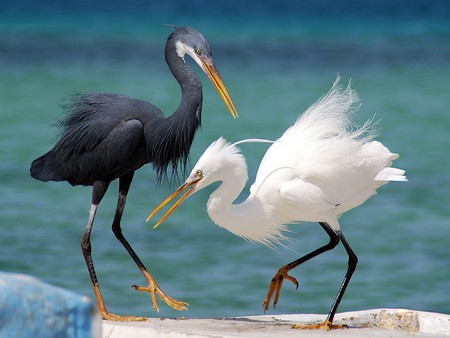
<point x="189" y="41"/>
<point x="221" y="161"/>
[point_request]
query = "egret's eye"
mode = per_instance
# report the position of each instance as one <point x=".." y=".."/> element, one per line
<point x="198" y="51"/>
<point x="199" y="173"/>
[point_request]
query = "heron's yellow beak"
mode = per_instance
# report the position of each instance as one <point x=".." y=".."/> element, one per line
<point x="213" y="74"/>
<point x="189" y="186"/>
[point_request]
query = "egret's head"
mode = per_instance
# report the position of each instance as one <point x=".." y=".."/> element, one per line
<point x="220" y="161"/>
<point x="191" y="42"/>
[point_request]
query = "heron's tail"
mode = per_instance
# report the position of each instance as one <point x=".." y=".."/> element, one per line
<point x="42" y="170"/>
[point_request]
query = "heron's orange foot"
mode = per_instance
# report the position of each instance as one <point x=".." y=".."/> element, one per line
<point x="326" y="325"/>
<point x="116" y="318"/>
<point x="275" y="286"/>
<point x="154" y="289"/>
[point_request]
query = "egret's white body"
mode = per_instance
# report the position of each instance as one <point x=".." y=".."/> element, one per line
<point x="319" y="168"/>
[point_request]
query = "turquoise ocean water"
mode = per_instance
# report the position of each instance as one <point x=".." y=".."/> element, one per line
<point x="277" y="58"/>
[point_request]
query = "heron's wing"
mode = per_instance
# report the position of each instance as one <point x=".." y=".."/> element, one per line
<point x="93" y="116"/>
<point x="121" y="143"/>
<point x="304" y="195"/>
<point x="110" y="158"/>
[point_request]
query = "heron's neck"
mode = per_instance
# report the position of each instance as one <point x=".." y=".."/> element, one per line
<point x="190" y="85"/>
<point x="248" y="219"/>
<point x="173" y="136"/>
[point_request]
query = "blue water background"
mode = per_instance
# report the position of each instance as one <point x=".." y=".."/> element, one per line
<point x="277" y="58"/>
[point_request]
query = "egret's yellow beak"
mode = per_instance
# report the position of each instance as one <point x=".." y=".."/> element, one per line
<point x="189" y="186"/>
<point x="213" y="74"/>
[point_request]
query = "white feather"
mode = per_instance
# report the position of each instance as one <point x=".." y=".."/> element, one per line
<point x="182" y="49"/>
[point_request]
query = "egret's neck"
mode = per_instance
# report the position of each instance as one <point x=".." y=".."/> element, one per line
<point x="221" y="200"/>
<point x="249" y="219"/>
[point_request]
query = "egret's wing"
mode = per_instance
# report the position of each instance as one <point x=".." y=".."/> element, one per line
<point x="304" y="195"/>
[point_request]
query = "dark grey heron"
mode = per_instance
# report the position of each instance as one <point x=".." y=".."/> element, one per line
<point x="317" y="170"/>
<point x="108" y="136"/>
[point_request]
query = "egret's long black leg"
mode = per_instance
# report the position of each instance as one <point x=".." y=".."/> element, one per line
<point x="153" y="288"/>
<point x="352" y="262"/>
<point x="277" y="280"/>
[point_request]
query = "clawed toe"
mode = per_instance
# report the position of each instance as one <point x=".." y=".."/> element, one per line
<point x="117" y="318"/>
<point x="326" y="325"/>
<point x="275" y="287"/>
<point x="155" y="289"/>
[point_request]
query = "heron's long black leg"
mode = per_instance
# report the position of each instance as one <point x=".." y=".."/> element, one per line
<point x="277" y="280"/>
<point x="124" y="186"/>
<point x="352" y="262"/>
<point x="98" y="191"/>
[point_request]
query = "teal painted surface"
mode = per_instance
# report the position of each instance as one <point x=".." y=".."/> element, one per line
<point x="31" y="308"/>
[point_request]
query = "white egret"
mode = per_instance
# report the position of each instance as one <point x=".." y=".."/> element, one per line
<point x="319" y="168"/>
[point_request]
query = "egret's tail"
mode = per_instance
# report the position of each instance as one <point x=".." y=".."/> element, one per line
<point x="391" y="174"/>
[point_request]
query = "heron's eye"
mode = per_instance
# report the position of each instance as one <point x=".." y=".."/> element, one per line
<point x="198" y="51"/>
<point x="199" y="173"/>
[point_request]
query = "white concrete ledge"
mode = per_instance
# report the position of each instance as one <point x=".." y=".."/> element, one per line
<point x="30" y="308"/>
<point x="374" y="323"/>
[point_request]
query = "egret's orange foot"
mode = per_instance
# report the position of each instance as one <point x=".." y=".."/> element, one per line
<point x="275" y="286"/>
<point x="326" y="325"/>
<point x="117" y="318"/>
<point x="154" y="289"/>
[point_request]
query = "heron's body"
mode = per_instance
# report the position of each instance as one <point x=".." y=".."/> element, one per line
<point x="106" y="136"/>
<point x="109" y="136"/>
<point x="319" y="168"/>
<point x="108" y="130"/>
<point x="119" y="135"/>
